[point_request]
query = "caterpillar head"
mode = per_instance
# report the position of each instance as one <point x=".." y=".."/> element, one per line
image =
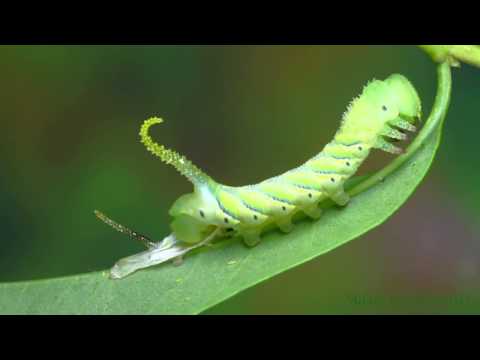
<point x="383" y="113"/>
<point x="406" y="112"/>
<point x="405" y="98"/>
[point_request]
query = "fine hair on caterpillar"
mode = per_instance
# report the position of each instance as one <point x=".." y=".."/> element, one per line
<point x="378" y="119"/>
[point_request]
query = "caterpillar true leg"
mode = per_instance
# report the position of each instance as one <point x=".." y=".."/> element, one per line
<point x="403" y="124"/>
<point x="384" y="145"/>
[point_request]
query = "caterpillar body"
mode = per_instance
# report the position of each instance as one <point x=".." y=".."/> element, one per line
<point x="384" y="111"/>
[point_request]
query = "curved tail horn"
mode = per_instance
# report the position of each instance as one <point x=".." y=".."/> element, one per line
<point x="179" y="162"/>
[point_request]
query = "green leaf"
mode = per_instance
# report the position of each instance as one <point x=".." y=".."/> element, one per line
<point x="454" y="54"/>
<point x="209" y="277"/>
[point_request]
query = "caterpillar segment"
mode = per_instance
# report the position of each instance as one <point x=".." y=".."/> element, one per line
<point x="380" y="116"/>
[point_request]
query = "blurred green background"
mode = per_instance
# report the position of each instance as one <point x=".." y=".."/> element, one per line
<point x="70" y="122"/>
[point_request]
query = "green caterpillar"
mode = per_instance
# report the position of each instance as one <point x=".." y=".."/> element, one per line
<point x="384" y="111"/>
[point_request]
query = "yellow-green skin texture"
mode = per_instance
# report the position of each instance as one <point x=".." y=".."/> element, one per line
<point x="384" y="111"/>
